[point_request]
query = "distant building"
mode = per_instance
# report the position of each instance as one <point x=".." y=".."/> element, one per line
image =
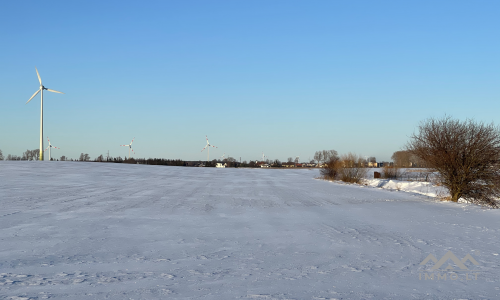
<point x="260" y="163"/>
<point x="288" y="165"/>
<point x="264" y="165"/>
<point x="221" y="165"/>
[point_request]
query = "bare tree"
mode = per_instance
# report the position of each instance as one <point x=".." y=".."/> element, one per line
<point x="328" y="154"/>
<point x="325" y="156"/>
<point x="276" y="164"/>
<point x="27" y="155"/>
<point x="84" y="157"/>
<point x="36" y="154"/>
<point x="318" y="156"/>
<point x="466" y="155"/>
<point x="1" y="155"/>
<point x="372" y="159"/>
<point x="290" y="159"/>
<point x="30" y="154"/>
<point x="63" y="158"/>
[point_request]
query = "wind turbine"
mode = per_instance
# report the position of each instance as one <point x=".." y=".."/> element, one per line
<point x="41" y="109"/>
<point x="208" y="146"/>
<point x="50" y="146"/>
<point x="263" y="156"/>
<point x="129" y="147"/>
<point x="223" y="156"/>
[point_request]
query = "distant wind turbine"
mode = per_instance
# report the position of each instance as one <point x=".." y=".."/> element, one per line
<point x="208" y="146"/>
<point x="49" y="147"/>
<point x="263" y="156"/>
<point x="41" y="110"/>
<point x="223" y="155"/>
<point x="129" y="147"/>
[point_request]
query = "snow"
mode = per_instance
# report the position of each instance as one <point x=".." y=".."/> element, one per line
<point x="412" y="181"/>
<point x="73" y="230"/>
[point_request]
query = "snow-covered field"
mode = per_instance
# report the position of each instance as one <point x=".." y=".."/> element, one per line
<point x="71" y="230"/>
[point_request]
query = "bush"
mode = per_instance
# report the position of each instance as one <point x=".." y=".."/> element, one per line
<point x="351" y="169"/>
<point x="331" y="168"/>
<point x="391" y="172"/>
<point x="465" y="154"/>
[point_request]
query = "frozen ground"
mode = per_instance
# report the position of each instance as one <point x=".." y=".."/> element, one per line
<point x="72" y="230"/>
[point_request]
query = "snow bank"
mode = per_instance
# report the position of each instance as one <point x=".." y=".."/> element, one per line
<point x="417" y="187"/>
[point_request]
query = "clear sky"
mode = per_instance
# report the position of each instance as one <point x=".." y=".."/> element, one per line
<point x="284" y="77"/>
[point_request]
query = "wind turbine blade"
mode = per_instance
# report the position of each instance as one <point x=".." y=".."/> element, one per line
<point x="203" y="149"/>
<point x="132" y="141"/>
<point x="54" y="91"/>
<point x="125" y="145"/>
<point x="39" y="79"/>
<point x="56" y="147"/>
<point x="132" y="150"/>
<point x="33" y="96"/>
<point x="46" y="148"/>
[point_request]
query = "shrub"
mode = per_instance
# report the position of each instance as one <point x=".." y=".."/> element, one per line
<point x="391" y="172"/>
<point x="465" y="154"/>
<point x="351" y="169"/>
<point x="331" y="168"/>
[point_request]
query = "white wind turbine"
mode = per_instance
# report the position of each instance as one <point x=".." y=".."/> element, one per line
<point x="41" y="110"/>
<point x="263" y="156"/>
<point x="49" y="147"/>
<point x="129" y="147"/>
<point x="208" y="146"/>
<point x="223" y="155"/>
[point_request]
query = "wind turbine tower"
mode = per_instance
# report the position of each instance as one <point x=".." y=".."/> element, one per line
<point x="208" y="146"/>
<point x="41" y="109"/>
<point x="129" y="147"/>
<point x="49" y="147"/>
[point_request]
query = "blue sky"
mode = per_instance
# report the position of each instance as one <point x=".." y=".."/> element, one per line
<point x="284" y="77"/>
